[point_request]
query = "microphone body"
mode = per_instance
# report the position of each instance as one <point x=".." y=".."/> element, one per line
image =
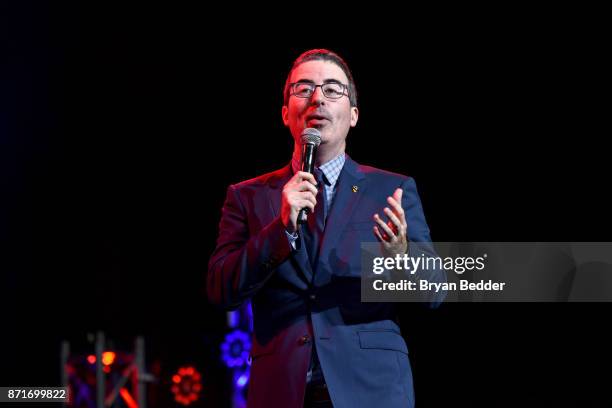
<point x="311" y="138"/>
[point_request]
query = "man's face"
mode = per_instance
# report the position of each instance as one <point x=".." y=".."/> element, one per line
<point x="332" y="117"/>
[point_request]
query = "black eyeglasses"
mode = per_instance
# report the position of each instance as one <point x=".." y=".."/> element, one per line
<point x="331" y="90"/>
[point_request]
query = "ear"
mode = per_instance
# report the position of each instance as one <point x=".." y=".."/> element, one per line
<point x="285" y="113"/>
<point x="354" y="116"/>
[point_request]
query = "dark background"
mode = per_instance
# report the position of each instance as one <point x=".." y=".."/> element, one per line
<point x="122" y="127"/>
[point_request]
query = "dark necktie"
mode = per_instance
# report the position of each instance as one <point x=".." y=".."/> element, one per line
<point x="312" y="231"/>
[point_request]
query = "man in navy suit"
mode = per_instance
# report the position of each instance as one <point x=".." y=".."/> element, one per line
<point x="315" y="343"/>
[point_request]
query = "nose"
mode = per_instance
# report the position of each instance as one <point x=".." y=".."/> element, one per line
<point x="317" y="97"/>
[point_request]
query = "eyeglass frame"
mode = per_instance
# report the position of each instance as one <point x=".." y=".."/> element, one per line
<point x="345" y="88"/>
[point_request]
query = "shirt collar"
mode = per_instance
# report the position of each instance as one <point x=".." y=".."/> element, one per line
<point x="331" y="169"/>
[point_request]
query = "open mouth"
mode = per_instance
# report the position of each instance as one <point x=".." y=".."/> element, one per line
<point x="316" y="120"/>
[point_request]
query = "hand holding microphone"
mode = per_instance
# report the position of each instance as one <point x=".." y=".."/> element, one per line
<point x="299" y="194"/>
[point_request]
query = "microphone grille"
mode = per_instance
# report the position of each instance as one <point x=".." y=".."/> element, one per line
<point x="311" y="136"/>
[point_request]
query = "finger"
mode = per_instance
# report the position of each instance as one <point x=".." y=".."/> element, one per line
<point x="397" y="195"/>
<point x="307" y="186"/>
<point x="385" y="228"/>
<point x="383" y="236"/>
<point x="397" y="224"/>
<point x="305" y="204"/>
<point x="297" y="197"/>
<point x="307" y="195"/>
<point x="397" y="205"/>
<point x="306" y="176"/>
<point x="379" y="235"/>
<point x="397" y="209"/>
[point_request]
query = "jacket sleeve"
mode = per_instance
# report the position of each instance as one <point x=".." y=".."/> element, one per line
<point x="242" y="263"/>
<point x="420" y="239"/>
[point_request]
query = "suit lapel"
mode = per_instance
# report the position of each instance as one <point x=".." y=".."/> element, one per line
<point x="345" y="202"/>
<point x="275" y="188"/>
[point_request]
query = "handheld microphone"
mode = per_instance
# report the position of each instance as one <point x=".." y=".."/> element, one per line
<point x="311" y="139"/>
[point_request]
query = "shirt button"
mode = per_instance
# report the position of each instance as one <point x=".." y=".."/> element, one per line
<point x="305" y="339"/>
<point x="313" y="296"/>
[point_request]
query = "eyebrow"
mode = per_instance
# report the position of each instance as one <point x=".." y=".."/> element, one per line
<point x="325" y="81"/>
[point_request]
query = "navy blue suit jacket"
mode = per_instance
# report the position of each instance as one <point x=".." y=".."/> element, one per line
<point x="363" y="356"/>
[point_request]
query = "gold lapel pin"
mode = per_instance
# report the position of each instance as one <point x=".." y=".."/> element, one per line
<point x="355" y="189"/>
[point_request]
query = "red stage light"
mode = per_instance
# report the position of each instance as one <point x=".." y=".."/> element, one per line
<point x="108" y="358"/>
<point x="128" y="398"/>
<point x="187" y="386"/>
<point x="91" y="359"/>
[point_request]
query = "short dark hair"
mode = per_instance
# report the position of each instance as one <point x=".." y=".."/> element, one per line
<point x="321" y="54"/>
